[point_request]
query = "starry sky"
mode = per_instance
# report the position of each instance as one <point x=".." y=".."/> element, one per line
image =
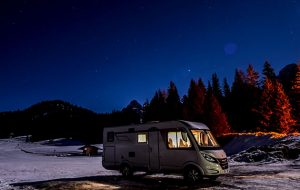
<point x="102" y="54"/>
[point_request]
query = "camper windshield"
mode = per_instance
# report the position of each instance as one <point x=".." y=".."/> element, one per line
<point x="205" y="138"/>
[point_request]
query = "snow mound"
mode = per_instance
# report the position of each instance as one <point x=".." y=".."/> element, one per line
<point x="239" y="143"/>
<point x="287" y="148"/>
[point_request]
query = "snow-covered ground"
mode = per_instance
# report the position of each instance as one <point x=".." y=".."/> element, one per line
<point x="27" y="162"/>
<point x="42" y="165"/>
<point x="279" y="175"/>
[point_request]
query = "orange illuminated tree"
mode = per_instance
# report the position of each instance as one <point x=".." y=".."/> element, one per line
<point x="215" y="118"/>
<point x="274" y="109"/>
<point x="281" y="118"/>
<point x="265" y="106"/>
<point x="252" y="76"/>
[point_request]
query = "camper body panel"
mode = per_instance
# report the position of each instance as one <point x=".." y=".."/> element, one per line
<point x="145" y="148"/>
<point x="129" y="151"/>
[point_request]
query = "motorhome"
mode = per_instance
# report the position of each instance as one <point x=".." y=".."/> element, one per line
<point x="181" y="147"/>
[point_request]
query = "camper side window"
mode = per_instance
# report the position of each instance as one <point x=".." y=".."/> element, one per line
<point x="178" y="139"/>
<point x="110" y="137"/>
<point x="142" y="138"/>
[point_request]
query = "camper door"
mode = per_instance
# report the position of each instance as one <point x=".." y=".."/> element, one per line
<point x="154" y="164"/>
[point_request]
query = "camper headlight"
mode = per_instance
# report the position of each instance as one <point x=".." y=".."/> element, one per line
<point x="209" y="158"/>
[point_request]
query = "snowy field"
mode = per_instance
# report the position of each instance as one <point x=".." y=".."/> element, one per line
<point x="42" y="166"/>
<point x="27" y="162"/>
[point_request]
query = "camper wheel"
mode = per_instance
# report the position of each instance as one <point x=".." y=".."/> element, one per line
<point x="126" y="170"/>
<point x="192" y="174"/>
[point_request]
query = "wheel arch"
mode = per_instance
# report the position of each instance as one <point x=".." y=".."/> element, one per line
<point x="192" y="164"/>
<point x="125" y="163"/>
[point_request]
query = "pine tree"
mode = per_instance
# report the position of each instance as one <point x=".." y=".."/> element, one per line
<point x="201" y="86"/>
<point x="251" y="98"/>
<point x="226" y="99"/>
<point x="239" y="81"/>
<point x="243" y="100"/>
<point x="215" y="117"/>
<point x="275" y="109"/>
<point x="216" y="87"/>
<point x="236" y="110"/>
<point x="194" y="102"/>
<point x="209" y="88"/>
<point x="173" y="103"/>
<point x="265" y="109"/>
<point x="163" y="106"/>
<point x="268" y="71"/>
<point x="252" y="77"/>
<point x="282" y="118"/>
<point x="157" y="107"/>
<point x="226" y="88"/>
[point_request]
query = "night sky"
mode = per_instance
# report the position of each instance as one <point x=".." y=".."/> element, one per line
<point x="102" y="54"/>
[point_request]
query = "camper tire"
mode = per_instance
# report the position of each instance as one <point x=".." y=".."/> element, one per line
<point x="126" y="170"/>
<point x="192" y="174"/>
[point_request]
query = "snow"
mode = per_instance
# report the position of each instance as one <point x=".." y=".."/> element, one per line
<point x="244" y="142"/>
<point x="53" y="165"/>
<point x="287" y="148"/>
<point x="42" y="164"/>
<point x="280" y="175"/>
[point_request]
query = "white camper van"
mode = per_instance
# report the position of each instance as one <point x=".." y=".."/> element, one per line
<point x="184" y="147"/>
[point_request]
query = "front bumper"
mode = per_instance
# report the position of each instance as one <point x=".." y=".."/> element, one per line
<point x="219" y="168"/>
